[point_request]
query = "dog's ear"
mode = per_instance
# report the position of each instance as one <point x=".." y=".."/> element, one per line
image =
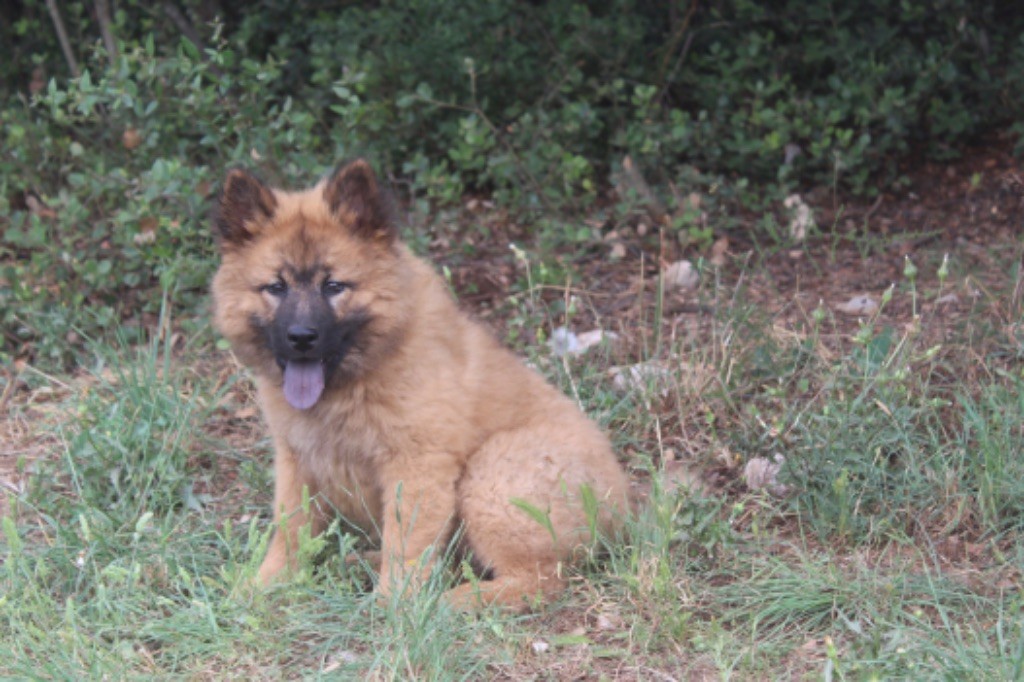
<point x="243" y="201"/>
<point x="355" y="197"/>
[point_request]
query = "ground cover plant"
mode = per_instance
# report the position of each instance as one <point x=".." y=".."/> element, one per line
<point x="822" y="418"/>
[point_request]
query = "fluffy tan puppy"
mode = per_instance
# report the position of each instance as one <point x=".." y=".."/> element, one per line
<point x="393" y="408"/>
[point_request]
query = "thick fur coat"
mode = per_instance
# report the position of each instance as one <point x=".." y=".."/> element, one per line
<point x="392" y="407"/>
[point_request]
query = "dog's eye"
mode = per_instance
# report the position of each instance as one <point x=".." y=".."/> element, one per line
<point x="277" y="288"/>
<point x="333" y="287"/>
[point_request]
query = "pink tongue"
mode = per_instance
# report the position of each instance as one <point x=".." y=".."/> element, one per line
<point x="303" y="383"/>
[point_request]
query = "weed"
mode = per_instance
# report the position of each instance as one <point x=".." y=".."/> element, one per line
<point x="128" y="452"/>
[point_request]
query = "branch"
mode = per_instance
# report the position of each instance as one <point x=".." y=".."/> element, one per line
<point x="179" y="20"/>
<point x="62" y="37"/>
<point x="673" y="43"/>
<point x="190" y="32"/>
<point x="103" y="17"/>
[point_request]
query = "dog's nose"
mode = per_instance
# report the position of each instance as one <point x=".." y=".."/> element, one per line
<point x="302" y="338"/>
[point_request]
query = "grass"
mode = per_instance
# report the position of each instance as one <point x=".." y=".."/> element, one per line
<point x="895" y="555"/>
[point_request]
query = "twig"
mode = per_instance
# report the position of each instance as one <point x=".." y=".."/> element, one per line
<point x="873" y="208"/>
<point x="183" y="24"/>
<point x="12" y="380"/>
<point x="190" y="32"/>
<point x="675" y="67"/>
<point x="62" y="37"/>
<point x="673" y="43"/>
<point x="103" y="17"/>
<point x="48" y="377"/>
<point x="634" y="179"/>
<point x="10" y="486"/>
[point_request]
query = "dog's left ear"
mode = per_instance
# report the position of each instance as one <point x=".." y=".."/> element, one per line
<point x="354" y="196"/>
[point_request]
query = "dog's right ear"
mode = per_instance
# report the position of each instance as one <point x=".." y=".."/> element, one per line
<point x="244" y="201"/>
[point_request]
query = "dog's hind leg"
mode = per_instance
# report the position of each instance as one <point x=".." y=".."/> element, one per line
<point x="521" y="502"/>
<point x="515" y="592"/>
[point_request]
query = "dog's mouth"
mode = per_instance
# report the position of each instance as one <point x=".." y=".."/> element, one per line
<point x="307" y="371"/>
<point x="304" y="382"/>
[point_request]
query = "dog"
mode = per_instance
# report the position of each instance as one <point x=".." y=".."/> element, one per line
<point x="391" y="407"/>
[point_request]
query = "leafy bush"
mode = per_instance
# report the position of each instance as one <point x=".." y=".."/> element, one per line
<point x="540" y="101"/>
<point x="535" y="103"/>
<point x="132" y="157"/>
<point x="852" y="85"/>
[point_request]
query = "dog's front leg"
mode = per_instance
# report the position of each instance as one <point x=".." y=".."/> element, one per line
<point x="419" y="515"/>
<point x="289" y="515"/>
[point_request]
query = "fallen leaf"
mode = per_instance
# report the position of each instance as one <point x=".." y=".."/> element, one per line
<point x="762" y="473"/>
<point x="680" y="275"/>
<point x="792" y="151"/>
<point x="640" y="376"/>
<point x="131" y="138"/>
<point x="38" y="82"/>
<point x="656" y="375"/>
<point x="631" y="181"/>
<point x="609" y="621"/>
<point x="343" y="657"/>
<point x="680" y="476"/>
<point x="36" y="206"/>
<point x="813" y="648"/>
<point x="594" y="337"/>
<point x="718" y="251"/>
<point x="858" y="306"/>
<point x="800" y="217"/>
<point x="565" y="342"/>
<point x="147" y="231"/>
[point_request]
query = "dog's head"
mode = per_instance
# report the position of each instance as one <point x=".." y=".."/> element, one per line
<point x="309" y="291"/>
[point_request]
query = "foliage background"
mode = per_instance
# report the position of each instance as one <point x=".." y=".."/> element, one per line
<point x="535" y="104"/>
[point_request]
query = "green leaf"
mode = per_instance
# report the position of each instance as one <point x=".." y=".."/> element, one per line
<point x="537" y="514"/>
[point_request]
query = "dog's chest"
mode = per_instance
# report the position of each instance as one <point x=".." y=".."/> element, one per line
<point x="339" y="455"/>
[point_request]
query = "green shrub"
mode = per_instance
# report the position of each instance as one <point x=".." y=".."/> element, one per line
<point x="539" y="102"/>
<point x="534" y="103"/>
<point x="130" y="158"/>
